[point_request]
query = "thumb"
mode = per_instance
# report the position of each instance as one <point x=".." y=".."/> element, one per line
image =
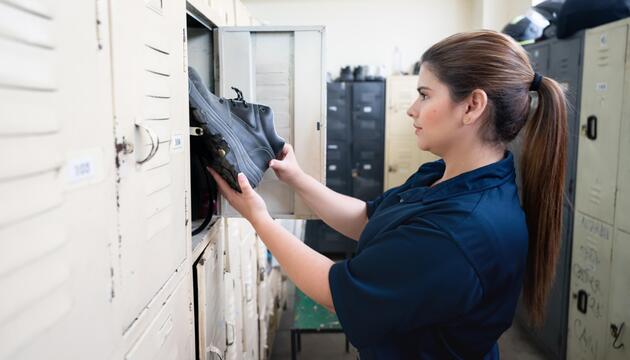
<point x="276" y="164"/>
<point x="244" y="184"/>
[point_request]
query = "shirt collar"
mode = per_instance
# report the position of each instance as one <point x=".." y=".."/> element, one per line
<point x="480" y="179"/>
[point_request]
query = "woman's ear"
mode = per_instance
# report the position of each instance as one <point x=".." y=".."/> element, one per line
<point x="475" y="106"/>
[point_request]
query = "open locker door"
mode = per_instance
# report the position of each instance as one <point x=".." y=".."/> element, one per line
<point x="282" y="67"/>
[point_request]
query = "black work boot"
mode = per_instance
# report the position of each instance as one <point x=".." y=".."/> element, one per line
<point x="238" y="136"/>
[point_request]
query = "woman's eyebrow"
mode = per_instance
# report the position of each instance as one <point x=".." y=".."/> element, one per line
<point x="420" y="88"/>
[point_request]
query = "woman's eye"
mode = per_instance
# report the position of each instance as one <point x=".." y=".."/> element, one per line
<point x="423" y="96"/>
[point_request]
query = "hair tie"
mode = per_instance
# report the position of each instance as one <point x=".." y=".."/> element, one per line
<point x="536" y="82"/>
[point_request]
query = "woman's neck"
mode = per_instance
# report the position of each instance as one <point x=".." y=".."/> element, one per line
<point x="465" y="159"/>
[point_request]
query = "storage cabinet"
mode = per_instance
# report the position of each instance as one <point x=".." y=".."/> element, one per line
<point x="210" y="297"/>
<point x="599" y="288"/>
<point x="57" y="149"/>
<point x="95" y="245"/>
<point x="354" y="156"/>
<point x="151" y="128"/>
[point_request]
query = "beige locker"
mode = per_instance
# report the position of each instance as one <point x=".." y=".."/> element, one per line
<point x="622" y="211"/>
<point x="151" y="128"/>
<point x="170" y="335"/>
<point x="249" y="266"/>
<point x="601" y="107"/>
<point x="56" y="143"/>
<point x="211" y="297"/>
<point x="619" y="331"/>
<point x="235" y="231"/>
<point x="402" y="155"/>
<point x="588" y="305"/>
<point x="281" y="67"/>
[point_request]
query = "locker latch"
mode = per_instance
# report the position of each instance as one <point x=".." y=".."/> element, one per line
<point x="590" y="128"/>
<point x="196" y="131"/>
<point x="582" y="301"/>
<point x="124" y="146"/>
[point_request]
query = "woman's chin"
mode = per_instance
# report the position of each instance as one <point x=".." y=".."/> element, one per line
<point x="422" y="145"/>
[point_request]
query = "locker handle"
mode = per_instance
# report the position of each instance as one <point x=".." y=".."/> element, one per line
<point x="582" y="301"/>
<point x="591" y="127"/>
<point x="155" y="142"/>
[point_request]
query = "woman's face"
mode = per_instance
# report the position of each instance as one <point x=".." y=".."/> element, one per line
<point x="436" y="118"/>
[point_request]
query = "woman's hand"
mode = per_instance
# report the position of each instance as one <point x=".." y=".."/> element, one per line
<point x="248" y="203"/>
<point x="287" y="168"/>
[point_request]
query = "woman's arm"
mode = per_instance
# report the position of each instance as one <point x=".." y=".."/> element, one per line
<point x="307" y="268"/>
<point x="343" y="213"/>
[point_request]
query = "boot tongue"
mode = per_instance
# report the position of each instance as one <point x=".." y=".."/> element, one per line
<point x="244" y="112"/>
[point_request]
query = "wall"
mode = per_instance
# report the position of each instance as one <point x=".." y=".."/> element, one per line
<point x="367" y="31"/>
<point x="494" y="14"/>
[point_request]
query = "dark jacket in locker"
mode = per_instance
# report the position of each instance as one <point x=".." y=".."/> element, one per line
<point x="438" y="270"/>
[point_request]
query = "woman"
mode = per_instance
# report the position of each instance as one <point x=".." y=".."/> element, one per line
<point x="441" y="260"/>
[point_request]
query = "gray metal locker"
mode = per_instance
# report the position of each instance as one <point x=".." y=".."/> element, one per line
<point x="599" y="264"/>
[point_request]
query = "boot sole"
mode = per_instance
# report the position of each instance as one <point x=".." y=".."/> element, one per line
<point x="218" y="132"/>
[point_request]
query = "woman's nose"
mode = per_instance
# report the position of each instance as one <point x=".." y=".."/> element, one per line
<point x="412" y="112"/>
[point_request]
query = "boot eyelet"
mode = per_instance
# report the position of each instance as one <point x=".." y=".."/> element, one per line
<point x="221" y="101"/>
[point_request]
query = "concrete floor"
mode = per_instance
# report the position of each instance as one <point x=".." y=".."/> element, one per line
<point x="514" y="344"/>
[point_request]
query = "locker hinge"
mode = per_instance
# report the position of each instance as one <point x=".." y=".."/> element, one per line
<point x="185" y="50"/>
<point x="99" y="23"/>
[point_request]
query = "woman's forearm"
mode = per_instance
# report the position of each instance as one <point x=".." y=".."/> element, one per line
<point x="307" y="268"/>
<point x="343" y="213"/>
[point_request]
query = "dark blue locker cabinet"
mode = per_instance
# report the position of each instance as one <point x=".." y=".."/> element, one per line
<point x="355" y="154"/>
<point x="562" y="61"/>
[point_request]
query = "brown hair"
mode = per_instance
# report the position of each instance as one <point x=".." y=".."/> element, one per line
<point x="496" y="64"/>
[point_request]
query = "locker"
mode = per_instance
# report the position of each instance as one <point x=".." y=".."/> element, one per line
<point x="623" y="178"/>
<point x="368" y="110"/>
<point x="539" y="57"/>
<point x="153" y="239"/>
<point x="339" y="108"/>
<point x="236" y="229"/>
<point x="620" y="298"/>
<point x="326" y="240"/>
<point x="56" y="134"/>
<point x="367" y="174"/>
<point x="601" y="107"/>
<point x="281" y="67"/>
<point x="565" y="67"/>
<point x="402" y="155"/>
<point x="170" y="334"/>
<point x="210" y="297"/>
<point x="338" y="165"/>
<point x="588" y="303"/>
<point x="250" y="295"/>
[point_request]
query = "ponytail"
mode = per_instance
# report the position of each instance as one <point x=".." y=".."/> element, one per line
<point x="542" y="166"/>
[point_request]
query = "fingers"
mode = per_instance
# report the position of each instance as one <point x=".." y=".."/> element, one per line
<point x="243" y="182"/>
<point x="223" y="185"/>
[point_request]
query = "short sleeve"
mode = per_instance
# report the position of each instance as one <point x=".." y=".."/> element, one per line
<point x="371" y="205"/>
<point x="406" y="278"/>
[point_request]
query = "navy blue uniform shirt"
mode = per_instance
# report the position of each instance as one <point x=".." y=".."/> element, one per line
<point x="438" y="270"/>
